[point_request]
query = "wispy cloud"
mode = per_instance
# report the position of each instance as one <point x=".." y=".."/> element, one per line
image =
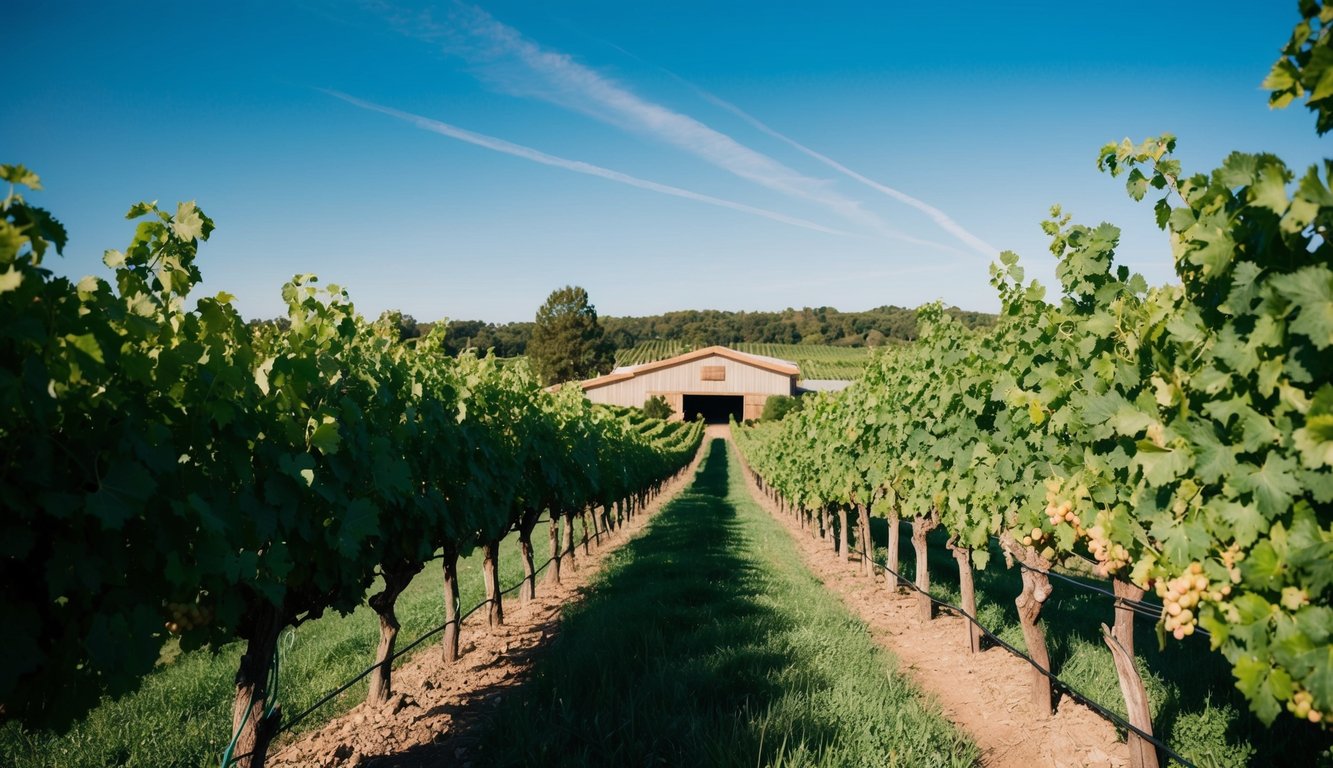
<point x="577" y="166"/>
<point x="501" y="56"/>
<point x="941" y="218"/>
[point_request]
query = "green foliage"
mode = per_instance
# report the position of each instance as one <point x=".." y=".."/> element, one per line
<point x="173" y="472"/>
<point x="1306" y="66"/>
<point x="778" y="406"/>
<point x="567" y="342"/>
<point x="1177" y="436"/>
<point x="656" y="407"/>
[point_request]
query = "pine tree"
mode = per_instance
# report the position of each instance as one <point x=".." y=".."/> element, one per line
<point x="568" y="344"/>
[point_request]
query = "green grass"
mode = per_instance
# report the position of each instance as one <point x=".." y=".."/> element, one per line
<point x="1196" y="708"/>
<point x="815" y="361"/>
<point x="181" y="715"/>
<point x="706" y="642"/>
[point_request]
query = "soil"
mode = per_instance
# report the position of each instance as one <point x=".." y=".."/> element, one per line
<point x="436" y="707"/>
<point x="984" y="694"/>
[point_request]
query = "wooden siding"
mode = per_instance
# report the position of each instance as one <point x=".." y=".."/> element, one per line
<point x="687" y="378"/>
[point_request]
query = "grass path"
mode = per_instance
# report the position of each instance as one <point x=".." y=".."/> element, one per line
<point x="706" y="641"/>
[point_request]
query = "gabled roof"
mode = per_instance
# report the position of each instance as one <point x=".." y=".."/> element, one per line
<point x="772" y="364"/>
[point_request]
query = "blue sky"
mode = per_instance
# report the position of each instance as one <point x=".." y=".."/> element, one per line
<point x="459" y="160"/>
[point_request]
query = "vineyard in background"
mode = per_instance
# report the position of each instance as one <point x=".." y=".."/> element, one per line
<point x="815" y="361"/>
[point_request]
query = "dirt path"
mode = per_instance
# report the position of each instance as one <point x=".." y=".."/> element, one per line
<point x="427" y="721"/>
<point x="985" y="694"/>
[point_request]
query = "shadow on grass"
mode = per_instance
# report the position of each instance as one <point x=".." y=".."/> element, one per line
<point x="663" y="660"/>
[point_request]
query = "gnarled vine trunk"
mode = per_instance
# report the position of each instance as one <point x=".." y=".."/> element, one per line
<point x="449" y="643"/>
<point x="921" y="526"/>
<point x="967" y="589"/>
<point x="1142" y="753"/>
<point x="253" y="730"/>
<point x="1036" y="588"/>
<point x="587" y="526"/>
<point x="527" y="521"/>
<point x="396" y="579"/>
<point x="844" y="534"/>
<point x="490" y="575"/>
<point x="567" y="532"/>
<point x="553" y="575"/>
<point x="891" y="564"/>
<point x="867" y="546"/>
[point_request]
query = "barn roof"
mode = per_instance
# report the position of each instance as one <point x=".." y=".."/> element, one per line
<point x="773" y="364"/>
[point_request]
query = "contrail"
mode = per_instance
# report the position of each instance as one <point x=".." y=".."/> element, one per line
<point x="502" y="56"/>
<point x="939" y="217"/>
<point x="578" y="166"/>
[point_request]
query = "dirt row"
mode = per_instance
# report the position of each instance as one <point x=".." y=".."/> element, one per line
<point x="432" y="717"/>
<point x="985" y="694"/>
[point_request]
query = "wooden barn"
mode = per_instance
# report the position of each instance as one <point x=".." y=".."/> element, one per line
<point x="715" y="382"/>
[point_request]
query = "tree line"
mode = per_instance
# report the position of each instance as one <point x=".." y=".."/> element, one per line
<point x="705" y="327"/>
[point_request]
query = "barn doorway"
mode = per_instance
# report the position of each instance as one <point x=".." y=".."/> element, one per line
<point x="715" y="409"/>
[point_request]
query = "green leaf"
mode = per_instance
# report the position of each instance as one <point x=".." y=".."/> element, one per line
<point x="1212" y="460"/>
<point x="325" y="436"/>
<point x="1270" y="189"/>
<point x="1273" y="485"/>
<point x="124" y="489"/>
<point x="1245" y="521"/>
<point x="358" y="522"/>
<point x="1252" y="680"/>
<point x="1130" y="421"/>
<point x="1315" y="439"/>
<point x="1310" y="291"/>
<point x="86" y="344"/>
<point x="1212" y="245"/>
<point x="1160" y="466"/>
<point x="18" y="174"/>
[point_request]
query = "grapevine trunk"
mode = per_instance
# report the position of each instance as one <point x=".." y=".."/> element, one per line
<point x="449" y="644"/>
<point x="553" y="575"/>
<point x="1142" y="753"/>
<point x="528" y="590"/>
<point x="1036" y="588"/>
<point x="844" y="534"/>
<point x="920" y="527"/>
<point x="383" y="602"/>
<point x="967" y="589"/>
<point x="891" y="554"/>
<point x="253" y="730"/>
<point x="490" y="574"/>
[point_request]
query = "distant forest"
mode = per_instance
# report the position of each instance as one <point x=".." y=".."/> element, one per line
<point x="701" y="328"/>
<point x="820" y="325"/>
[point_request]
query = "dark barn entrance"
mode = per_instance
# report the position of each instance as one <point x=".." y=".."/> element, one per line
<point x="714" y="408"/>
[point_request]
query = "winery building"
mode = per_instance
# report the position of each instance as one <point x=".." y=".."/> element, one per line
<point x="715" y="382"/>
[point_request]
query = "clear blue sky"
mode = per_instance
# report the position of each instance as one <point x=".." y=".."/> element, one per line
<point x="458" y="160"/>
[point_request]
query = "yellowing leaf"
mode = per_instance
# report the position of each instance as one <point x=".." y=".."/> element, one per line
<point x="187" y="224"/>
<point x="10" y="279"/>
<point x="261" y="375"/>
